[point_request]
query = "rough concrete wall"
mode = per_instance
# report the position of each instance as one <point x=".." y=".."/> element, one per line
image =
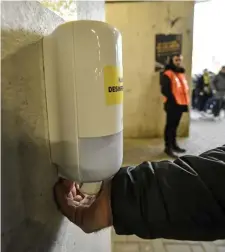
<point x="23" y="26"/>
<point x="30" y="220"/>
<point x="97" y="10"/>
<point x="138" y="23"/>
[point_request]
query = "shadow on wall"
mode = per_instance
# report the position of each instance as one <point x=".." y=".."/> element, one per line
<point x="30" y="220"/>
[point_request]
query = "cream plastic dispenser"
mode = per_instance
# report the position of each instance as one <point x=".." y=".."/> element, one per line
<point x="84" y="92"/>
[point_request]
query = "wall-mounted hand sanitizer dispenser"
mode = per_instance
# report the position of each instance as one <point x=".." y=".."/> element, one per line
<point x="84" y="91"/>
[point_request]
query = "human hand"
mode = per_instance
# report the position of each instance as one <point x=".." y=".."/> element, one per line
<point x="90" y="212"/>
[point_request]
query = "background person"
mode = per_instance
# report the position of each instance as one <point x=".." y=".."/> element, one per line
<point x="204" y="90"/>
<point x="175" y="90"/>
<point x="218" y="86"/>
<point x="195" y="92"/>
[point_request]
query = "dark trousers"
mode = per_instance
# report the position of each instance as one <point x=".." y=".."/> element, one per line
<point x="218" y="106"/>
<point x="210" y="103"/>
<point x="172" y="122"/>
<point x="202" y="100"/>
<point x="194" y="99"/>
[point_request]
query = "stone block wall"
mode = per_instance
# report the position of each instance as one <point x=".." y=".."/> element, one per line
<point x="144" y="116"/>
<point x="30" y="220"/>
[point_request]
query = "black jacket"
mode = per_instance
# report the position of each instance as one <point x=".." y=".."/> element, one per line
<point x="183" y="200"/>
<point x="166" y="90"/>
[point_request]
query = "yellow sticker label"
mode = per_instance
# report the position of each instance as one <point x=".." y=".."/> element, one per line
<point x="113" y="81"/>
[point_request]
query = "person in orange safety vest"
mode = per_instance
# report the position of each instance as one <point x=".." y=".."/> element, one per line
<point x="174" y="88"/>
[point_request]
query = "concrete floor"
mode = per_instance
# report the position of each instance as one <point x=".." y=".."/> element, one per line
<point x="205" y="134"/>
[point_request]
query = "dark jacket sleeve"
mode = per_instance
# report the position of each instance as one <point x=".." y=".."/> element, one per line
<point x="183" y="200"/>
<point x="214" y="83"/>
<point x="166" y="90"/>
<point x="200" y="84"/>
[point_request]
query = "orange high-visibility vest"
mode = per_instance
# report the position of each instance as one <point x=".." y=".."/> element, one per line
<point x="179" y="86"/>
